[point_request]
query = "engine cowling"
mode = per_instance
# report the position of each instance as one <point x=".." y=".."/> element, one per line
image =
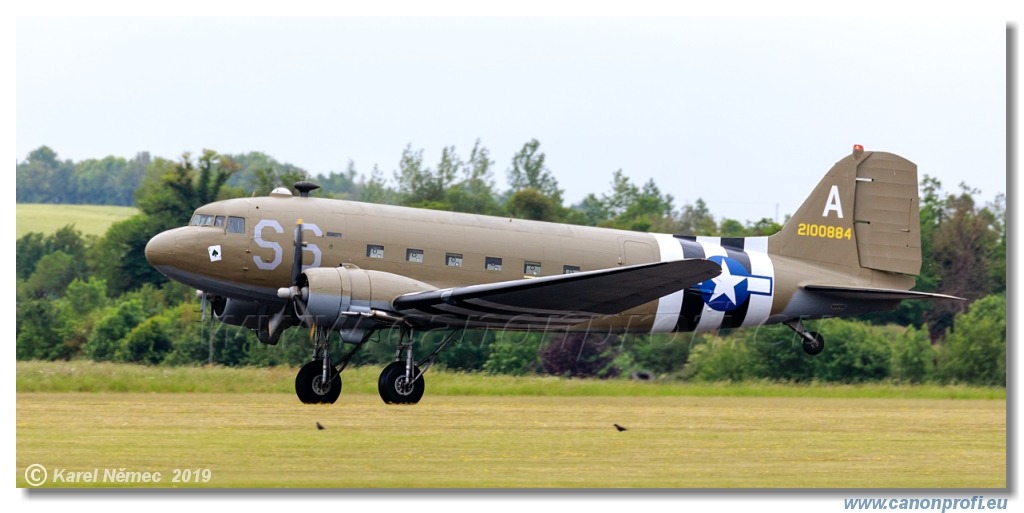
<point x="339" y="297"/>
<point x="237" y="312"/>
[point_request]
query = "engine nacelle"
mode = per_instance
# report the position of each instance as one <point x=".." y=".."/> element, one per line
<point x="339" y="297"/>
<point x="237" y="312"/>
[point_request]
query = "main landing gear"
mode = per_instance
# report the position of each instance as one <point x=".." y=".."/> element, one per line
<point x="319" y="381"/>
<point x="812" y="341"/>
<point x="401" y="382"/>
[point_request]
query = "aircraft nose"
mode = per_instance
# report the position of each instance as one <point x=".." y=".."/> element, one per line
<point x="161" y="248"/>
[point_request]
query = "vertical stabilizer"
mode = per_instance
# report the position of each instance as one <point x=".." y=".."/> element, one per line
<point x="863" y="213"/>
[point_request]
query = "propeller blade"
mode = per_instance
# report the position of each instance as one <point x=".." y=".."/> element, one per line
<point x="297" y="257"/>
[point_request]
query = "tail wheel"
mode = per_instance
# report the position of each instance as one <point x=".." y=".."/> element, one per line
<point x="396" y="388"/>
<point x="310" y="385"/>
<point x="813" y="342"/>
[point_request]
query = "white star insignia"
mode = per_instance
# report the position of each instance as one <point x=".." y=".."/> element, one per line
<point x="725" y="284"/>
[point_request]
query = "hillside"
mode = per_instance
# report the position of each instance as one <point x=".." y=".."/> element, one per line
<point x="89" y="219"/>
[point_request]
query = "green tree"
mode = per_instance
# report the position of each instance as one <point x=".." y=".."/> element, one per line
<point x="515" y="353"/>
<point x="580" y="355"/>
<point x="341" y="185"/>
<point x="53" y="273"/>
<point x="776" y="354"/>
<point x="28" y="249"/>
<point x="38" y="332"/>
<point x="763" y="228"/>
<point x="420" y="186"/>
<point x="528" y="172"/>
<point x="475" y="193"/>
<point x="532" y="204"/>
<point x="258" y="174"/>
<point x="43" y="178"/>
<point x="466" y="353"/>
<point x="731" y="228"/>
<point x="696" y="219"/>
<point x="855" y="352"/>
<point x="721" y="359"/>
<point x="111" y="329"/>
<point x="592" y="211"/>
<point x="32" y="247"/>
<point x="119" y="257"/>
<point x="172" y="191"/>
<point x="147" y="343"/>
<point x="974" y="350"/>
<point x="963" y="246"/>
<point x="913" y="357"/>
<point x="375" y="189"/>
<point x="660" y="354"/>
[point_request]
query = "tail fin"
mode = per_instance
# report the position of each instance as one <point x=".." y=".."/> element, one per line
<point x="863" y="213"/>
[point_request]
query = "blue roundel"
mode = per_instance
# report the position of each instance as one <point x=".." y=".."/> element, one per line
<point x="728" y="290"/>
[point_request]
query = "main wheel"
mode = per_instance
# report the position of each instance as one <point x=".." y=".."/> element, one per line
<point x="813" y="343"/>
<point x="395" y="388"/>
<point x="310" y="386"/>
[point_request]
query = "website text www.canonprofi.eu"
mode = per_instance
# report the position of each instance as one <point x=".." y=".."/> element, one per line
<point x="974" y="503"/>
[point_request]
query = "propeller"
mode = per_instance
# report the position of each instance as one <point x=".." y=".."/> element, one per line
<point x="293" y="294"/>
<point x="297" y="256"/>
<point x="295" y="302"/>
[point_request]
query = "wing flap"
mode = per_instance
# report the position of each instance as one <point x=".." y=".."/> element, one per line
<point x="867" y="293"/>
<point x="564" y="300"/>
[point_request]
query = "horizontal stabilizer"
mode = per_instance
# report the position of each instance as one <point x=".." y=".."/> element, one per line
<point x="564" y="299"/>
<point x="864" y="293"/>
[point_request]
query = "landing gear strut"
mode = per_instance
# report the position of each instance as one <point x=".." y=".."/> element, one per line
<point x="319" y="381"/>
<point x="401" y="382"/>
<point x="812" y="341"/>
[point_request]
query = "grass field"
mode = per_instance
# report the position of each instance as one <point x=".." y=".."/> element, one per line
<point x="88" y="219"/>
<point x="826" y="437"/>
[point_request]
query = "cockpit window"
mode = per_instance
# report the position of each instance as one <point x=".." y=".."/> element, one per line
<point x="236" y="224"/>
<point x="218" y="222"/>
<point x="202" y="220"/>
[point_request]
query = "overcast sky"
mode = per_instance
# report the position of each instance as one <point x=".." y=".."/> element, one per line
<point x="745" y="113"/>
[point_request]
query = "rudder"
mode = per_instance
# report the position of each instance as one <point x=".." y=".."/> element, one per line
<point x="863" y="213"/>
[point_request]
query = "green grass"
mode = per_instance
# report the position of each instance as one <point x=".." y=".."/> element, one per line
<point x="269" y="440"/>
<point x="89" y="376"/>
<point x="88" y="219"/>
<point x="477" y="431"/>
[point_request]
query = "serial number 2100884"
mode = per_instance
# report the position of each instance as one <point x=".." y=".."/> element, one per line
<point x="824" y="231"/>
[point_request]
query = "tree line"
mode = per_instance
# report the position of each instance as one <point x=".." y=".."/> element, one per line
<point x="98" y="298"/>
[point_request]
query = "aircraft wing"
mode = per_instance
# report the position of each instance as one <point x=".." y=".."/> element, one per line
<point x="555" y="301"/>
<point x="870" y="293"/>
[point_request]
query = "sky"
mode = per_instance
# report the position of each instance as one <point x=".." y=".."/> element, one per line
<point x="745" y="113"/>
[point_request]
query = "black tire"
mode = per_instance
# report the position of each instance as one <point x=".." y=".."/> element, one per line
<point x="308" y="384"/>
<point x="393" y="388"/>
<point x="815" y="346"/>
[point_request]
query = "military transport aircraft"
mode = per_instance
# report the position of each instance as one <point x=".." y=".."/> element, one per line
<point x="852" y="247"/>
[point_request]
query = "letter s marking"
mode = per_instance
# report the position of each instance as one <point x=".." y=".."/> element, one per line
<point x="257" y="237"/>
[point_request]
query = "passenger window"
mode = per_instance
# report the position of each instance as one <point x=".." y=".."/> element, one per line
<point x="569" y="269"/>
<point x="492" y="264"/>
<point x="236" y="225"/>
<point x="414" y="255"/>
<point x="453" y="259"/>
<point x="531" y="268"/>
<point x="374" y="251"/>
